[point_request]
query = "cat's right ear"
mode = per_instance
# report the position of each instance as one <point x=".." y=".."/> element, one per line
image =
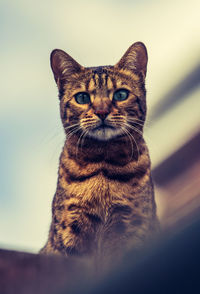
<point x="63" y="65"/>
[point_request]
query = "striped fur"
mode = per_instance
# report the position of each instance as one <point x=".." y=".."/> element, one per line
<point x="104" y="203"/>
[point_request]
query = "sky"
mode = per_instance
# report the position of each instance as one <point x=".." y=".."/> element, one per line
<point x="94" y="33"/>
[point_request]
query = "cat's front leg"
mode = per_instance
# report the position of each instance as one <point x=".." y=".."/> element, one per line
<point x="124" y="230"/>
<point x="75" y="233"/>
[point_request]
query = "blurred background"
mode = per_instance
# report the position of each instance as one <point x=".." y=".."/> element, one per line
<point x="94" y="32"/>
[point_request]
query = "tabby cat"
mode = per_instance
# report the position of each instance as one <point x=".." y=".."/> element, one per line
<point x="104" y="203"/>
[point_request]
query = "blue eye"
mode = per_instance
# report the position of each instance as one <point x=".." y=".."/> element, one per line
<point x="121" y="95"/>
<point x="82" y="98"/>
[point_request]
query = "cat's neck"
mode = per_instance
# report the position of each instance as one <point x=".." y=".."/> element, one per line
<point x="118" y="151"/>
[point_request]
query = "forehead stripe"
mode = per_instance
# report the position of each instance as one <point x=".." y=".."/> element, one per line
<point x="96" y="80"/>
<point x="106" y="80"/>
<point x="91" y="85"/>
<point x="109" y="83"/>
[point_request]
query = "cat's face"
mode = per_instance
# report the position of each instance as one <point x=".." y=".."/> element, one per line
<point x="102" y="102"/>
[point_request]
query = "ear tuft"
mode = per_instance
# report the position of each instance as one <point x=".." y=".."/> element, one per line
<point x="135" y="59"/>
<point x="63" y="65"/>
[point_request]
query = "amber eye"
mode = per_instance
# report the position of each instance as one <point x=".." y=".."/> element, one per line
<point x="120" y="95"/>
<point x="82" y="98"/>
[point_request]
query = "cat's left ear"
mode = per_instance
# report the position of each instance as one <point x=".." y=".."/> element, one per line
<point x="135" y="59"/>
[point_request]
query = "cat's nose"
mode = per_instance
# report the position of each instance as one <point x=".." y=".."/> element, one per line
<point x="101" y="113"/>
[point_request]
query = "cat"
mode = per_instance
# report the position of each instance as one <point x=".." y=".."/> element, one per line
<point x="104" y="203"/>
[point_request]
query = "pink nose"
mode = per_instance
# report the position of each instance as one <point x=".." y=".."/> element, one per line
<point x="102" y="113"/>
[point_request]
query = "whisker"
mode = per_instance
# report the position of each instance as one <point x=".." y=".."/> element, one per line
<point x="135" y="118"/>
<point x="135" y="144"/>
<point x="131" y="136"/>
<point x="146" y="121"/>
<point x="83" y="138"/>
<point x="88" y="124"/>
<point x="134" y="128"/>
<point x="77" y="144"/>
<point x="116" y="122"/>
<point x="81" y="141"/>
<point x="49" y="138"/>
<point x="71" y="126"/>
<point x="71" y="133"/>
<point x="135" y="122"/>
<point x="128" y="134"/>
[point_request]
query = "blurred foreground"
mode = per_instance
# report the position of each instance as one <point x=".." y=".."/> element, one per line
<point x="169" y="265"/>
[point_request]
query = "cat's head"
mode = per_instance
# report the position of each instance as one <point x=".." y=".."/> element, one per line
<point x="102" y="102"/>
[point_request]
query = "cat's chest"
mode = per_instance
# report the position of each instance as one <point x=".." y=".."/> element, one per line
<point x="99" y="186"/>
<point x="100" y="193"/>
<point x="95" y="195"/>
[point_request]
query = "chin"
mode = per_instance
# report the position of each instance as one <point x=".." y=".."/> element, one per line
<point x="104" y="133"/>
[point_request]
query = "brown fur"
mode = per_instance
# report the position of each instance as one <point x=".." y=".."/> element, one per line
<point x="104" y="203"/>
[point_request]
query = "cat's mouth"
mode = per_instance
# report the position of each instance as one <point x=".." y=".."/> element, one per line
<point x="104" y="126"/>
<point x="104" y="132"/>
